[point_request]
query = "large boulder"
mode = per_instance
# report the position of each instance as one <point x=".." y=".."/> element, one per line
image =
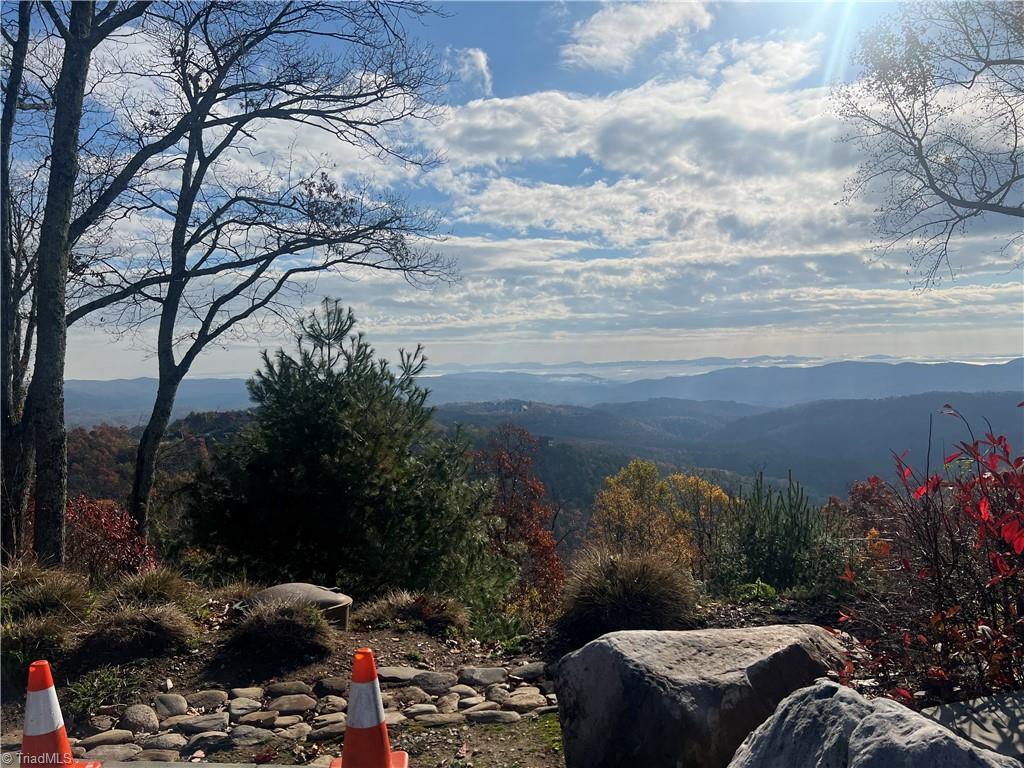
<point x="335" y="606"/>
<point x="995" y="722"/>
<point x="682" y="699"/>
<point x="829" y="725"/>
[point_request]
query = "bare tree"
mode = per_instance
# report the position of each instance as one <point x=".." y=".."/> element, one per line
<point x="937" y="112"/>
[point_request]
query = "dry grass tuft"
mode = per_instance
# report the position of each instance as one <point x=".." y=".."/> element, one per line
<point x="289" y="632"/>
<point x="138" y="632"/>
<point x="436" y="615"/>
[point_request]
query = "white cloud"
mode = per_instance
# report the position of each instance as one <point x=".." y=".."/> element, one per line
<point x="610" y="40"/>
<point x="473" y="70"/>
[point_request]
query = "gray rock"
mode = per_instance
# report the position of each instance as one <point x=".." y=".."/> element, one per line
<point x="435" y="683"/>
<point x="263" y="719"/>
<point x="530" y="672"/>
<point x="397" y="674"/>
<point x="155" y="756"/>
<point x="296" y="732"/>
<point x="254" y="692"/>
<point x="434" y="721"/>
<point x="216" y="721"/>
<point x="334" y="717"/>
<point x="527" y="689"/>
<point x="995" y="722"/>
<point x="448" y="703"/>
<point x="97" y="724"/>
<point x="498" y="693"/>
<point x="166" y="684"/>
<point x="493" y="716"/>
<point x="209" y="699"/>
<point x="335" y="606"/>
<point x="332" y="703"/>
<point x="393" y="718"/>
<point x="334" y="685"/>
<point x="113" y="753"/>
<point x="419" y="709"/>
<point x="173" y="720"/>
<point x="169" y="704"/>
<point x="550" y="709"/>
<point x="293" y="704"/>
<point x="829" y="725"/>
<point x="288" y="687"/>
<point x="681" y="699"/>
<point x="242" y="706"/>
<point x="524" y="702"/>
<point x="464" y="691"/>
<point x="106" y="738"/>
<point x="483" y="706"/>
<point x="411" y="695"/>
<point x="165" y="741"/>
<point x="329" y="731"/>
<point x="481" y="677"/>
<point x="284" y="721"/>
<point x="208" y="741"/>
<point x="551" y="699"/>
<point x="249" y="736"/>
<point x="472" y="701"/>
<point x="75" y="752"/>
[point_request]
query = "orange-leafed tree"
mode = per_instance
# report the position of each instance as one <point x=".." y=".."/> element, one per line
<point x="524" y="516"/>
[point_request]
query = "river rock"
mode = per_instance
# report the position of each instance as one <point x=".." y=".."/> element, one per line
<point x="208" y="700"/>
<point x="254" y="692"/>
<point x="419" y="709"/>
<point x="107" y="738"/>
<point x="284" y="721"/>
<point x="169" y="704"/>
<point x="330" y="704"/>
<point x="411" y="695"/>
<point x="481" y="677"/>
<point x="208" y="741"/>
<point x="524" y="702"/>
<point x="97" y="724"/>
<point x="464" y="691"/>
<point x="163" y="741"/>
<point x="483" y="706"/>
<point x="288" y="687"/>
<point x="497" y="693"/>
<point x="682" y="699"/>
<point x="393" y="718"/>
<point x="397" y="674"/>
<point x="296" y="731"/>
<point x="435" y="683"/>
<point x="333" y="717"/>
<point x="329" y="731"/>
<point x="437" y="720"/>
<point x="293" y="704"/>
<point x="263" y="719"/>
<point x="829" y="725"/>
<point x="529" y="672"/>
<point x="448" y="703"/>
<point x="249" y="736"/>
<point x="113" y="753"/>
<point x="335" y="685"/>
<point x="492" y="717"/>
<point x="472" y="701"/>
<point x="217" y="721"/>
<point x="155" y="756"/>
<point x="242" y="706"/>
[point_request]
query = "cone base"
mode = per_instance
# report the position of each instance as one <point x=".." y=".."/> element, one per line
<point x="398" y="760"/>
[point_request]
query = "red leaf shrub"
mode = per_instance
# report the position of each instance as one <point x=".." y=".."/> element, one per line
<point x="943" y="613"/>
<point x="103" y="541"/>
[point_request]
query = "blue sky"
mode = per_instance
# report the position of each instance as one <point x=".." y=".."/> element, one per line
<point x="642" y="181"/>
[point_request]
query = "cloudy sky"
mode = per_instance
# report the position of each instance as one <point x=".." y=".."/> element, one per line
<point x="646" y="182"/>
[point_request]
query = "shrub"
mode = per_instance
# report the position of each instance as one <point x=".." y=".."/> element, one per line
<point x="288" y="632"/>
<point x="342" y="450"/>
<point x="24" y="641"/>
<point x="608" y="591"/>
<point x="138" y="633"/>
<point x="436" y="615"/>
<point x="103" y="541"/>
<point x="758" y="590"/>
<point x="155" y="587"/>
<point x="29" y="590"/>
<point x="106" y="685"/>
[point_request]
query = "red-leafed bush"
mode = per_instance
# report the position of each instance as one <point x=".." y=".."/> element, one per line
<point x="944" y="612"/>
<point x="103" y="540"/>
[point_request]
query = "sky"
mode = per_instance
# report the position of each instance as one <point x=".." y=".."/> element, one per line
<point x="641" y="182"/>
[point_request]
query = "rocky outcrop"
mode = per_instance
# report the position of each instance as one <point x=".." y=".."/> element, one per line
<point x="681" y="699"/>
<point x="829" y="725"/>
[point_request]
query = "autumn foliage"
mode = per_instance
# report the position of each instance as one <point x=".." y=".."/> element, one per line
<point x="104" y="541"/>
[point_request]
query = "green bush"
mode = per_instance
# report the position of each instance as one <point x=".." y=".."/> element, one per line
<point x="25" y="640"/>
<point x="399" y="609"/>
<point x="608" y="591"/>
<point x="105" y="685"/>
<point x="342" y="479"/>
<point x="758" y="590"/>
<point x="137" y="633"/>
<point x="287" y="632"/>
<point x="29" y="590"/>
<point x="780" y="538"/>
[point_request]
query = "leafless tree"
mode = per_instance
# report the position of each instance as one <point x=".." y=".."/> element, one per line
<point x="937" y="112"/>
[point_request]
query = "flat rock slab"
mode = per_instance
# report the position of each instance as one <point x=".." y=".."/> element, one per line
<point x="335" y="605"/>
<point x="397" y="674"/>
<point x="333" y="717"/>
<point x="681" y="699"/>
<point x="435" y="683"/>
<point x="411" y="694"/>
<point x="209" y="699"/>
<point x="288" y="686"/>
<point x="493" y="717"/>
<point x="163" y="741"/>
<point x="293" y="704"/>
<point x="435" y="721"/>
<point x="263" y="719"/>
<point x="524" y="702"/>
<point x="419" y="709"/>
<point x="242" y="706"/>
<point x="481" y="677"/>
<point x="329" y="731"/>
<point x="296" y="732"/>
<point x="217" y="721"/>
<point x="335" y="685"/>
<point x="254" y="692"/>
<point x="529" y="672"/>
<point x="208" y="741"/>
<point x="332" y="703"/>
<point x="113" y="752"/>
<point x="829" y="725"/>
<point x="155" y="756"/>
<point x="483" y="706"/>
<point x="393" y="718"/>
<point x="107" y="738"/>
<point x="995" y="722"/>
<point x="250" y="736"/>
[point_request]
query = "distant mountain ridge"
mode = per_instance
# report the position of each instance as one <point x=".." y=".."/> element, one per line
<point x="128" y="401"/>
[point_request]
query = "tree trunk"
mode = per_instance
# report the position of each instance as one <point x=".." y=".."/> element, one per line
<point x="149" y="446"/>
<point x="14" y="492"/>
<point x="46" y="392"/>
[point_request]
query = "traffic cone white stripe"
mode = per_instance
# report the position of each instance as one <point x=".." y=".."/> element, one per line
<point x="365" y="707"/>
<point x="42" y="713"/>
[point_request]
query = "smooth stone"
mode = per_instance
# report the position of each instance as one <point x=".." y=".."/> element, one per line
<point x="242" y="706"/>
<point x="448" y="703"/>
<point x="283" y="721"/>
<point x="523" y="703"/>
<point x="96" y="724"/>
<point x="254" y="692"/>
<point x="75" y="752"/>
<point x="250" y="736"/>
<point x="334" y="685"/>
<point x="261" y="719"/>
<point x="293" y="704"/>
<point x="107" y="738"/>
<point x="207" y="740"/>
<point x="530" y="672"/>
<point x="169" y="704"/>
<point x="216" y="721"/>
<point x="532" y="689"/>
<point x="472" y="701"/>
<point x="329" y="731"/>
<point x="464" y="691"/>
<point x="497" y="693"/>
<point x="493" y="716"/>
<point x="433" y="721"/>
<point x="397" y="674"/>
<point x="411" y="695"/>
<point x="435" y="683"/>
<point x="332" y="717"/>
<point x="545" y="710"/>
<point x="330" y="704"/>
<point x="288" y="687"/>
<point x="393" y="718"/>
<point x="419" y="709"/>
<point x="112" y="753"/>
<point x="552" y="698"/>
<point x="481" y="677"/>
<point x="155" y="756"/>
<point x="296" y="732"/>
<point x="209" y="699"/>
<point x="484" y="706"/>
<point x="334" y="605"/>
<point x="164" y="741"/>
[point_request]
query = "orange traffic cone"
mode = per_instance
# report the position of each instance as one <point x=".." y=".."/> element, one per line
<point x="44" y="741"/>
<point x="366" y="735"/>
